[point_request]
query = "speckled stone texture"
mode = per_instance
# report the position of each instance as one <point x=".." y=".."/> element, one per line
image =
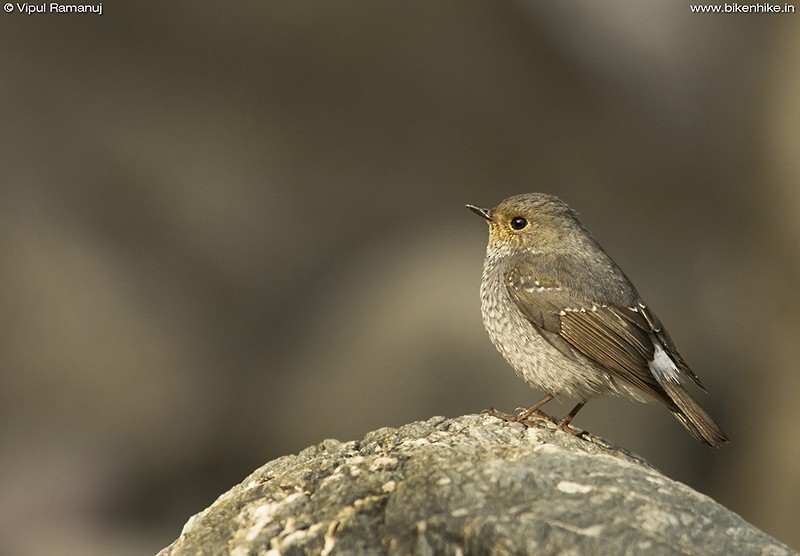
<point x="470" y="485"/>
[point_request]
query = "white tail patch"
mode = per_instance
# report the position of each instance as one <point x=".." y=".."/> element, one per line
<point x="662" y="366"/>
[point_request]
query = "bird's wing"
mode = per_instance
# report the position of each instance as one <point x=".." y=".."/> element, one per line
<point x="617" y="331"/>
<point x="616" y="336"/>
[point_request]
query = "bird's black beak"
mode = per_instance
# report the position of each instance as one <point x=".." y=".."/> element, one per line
<point x="483" y="213"/>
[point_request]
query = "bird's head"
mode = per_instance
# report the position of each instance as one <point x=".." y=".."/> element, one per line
<point x="534" y="222"/>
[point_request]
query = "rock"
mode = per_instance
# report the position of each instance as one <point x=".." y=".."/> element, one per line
<point x="470" y="485"/>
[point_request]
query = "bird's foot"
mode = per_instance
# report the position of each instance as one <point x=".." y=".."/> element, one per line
<point x="564" y="425"/>
<point x="523" y="415"/>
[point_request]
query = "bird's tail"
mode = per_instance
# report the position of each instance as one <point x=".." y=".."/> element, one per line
<point x="693" y="417"/>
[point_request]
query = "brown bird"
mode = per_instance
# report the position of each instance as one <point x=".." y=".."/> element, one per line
<point x="569" y="321"/>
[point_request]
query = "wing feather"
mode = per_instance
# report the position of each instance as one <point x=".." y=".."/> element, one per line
<point x="619" y="335"/>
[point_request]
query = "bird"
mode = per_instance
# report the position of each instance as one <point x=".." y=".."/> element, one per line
<point x="571" y="323"/>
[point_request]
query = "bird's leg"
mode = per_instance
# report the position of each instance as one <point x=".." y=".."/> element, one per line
<point x="567" y="419"/>
<point x="523" y="415"/>
<point x="535" y="409"/>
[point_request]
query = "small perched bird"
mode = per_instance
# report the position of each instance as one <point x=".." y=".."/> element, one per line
<point x="569" y="321"/>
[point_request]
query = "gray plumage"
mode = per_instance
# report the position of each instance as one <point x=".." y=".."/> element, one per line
<point x="569" y="321"/>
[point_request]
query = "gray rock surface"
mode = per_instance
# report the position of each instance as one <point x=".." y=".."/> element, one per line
<point x="470" y="485"/>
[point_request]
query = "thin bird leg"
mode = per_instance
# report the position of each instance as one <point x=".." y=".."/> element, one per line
<point x="567" y="419"/>
<point x="534" y="409"/>
<point x="522" y="416"/>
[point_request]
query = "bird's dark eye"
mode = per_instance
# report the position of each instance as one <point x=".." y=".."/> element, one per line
<point x="518" y="223"/>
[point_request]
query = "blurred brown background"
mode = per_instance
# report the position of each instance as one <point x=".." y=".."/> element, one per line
<point x="229" y="231"/>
